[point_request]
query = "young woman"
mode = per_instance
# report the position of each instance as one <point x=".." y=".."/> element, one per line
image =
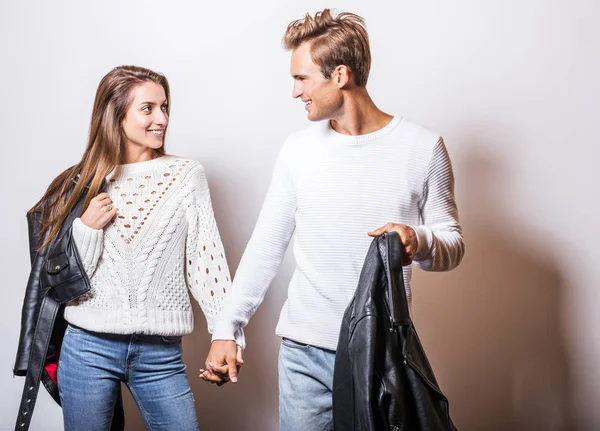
<point x="146" y="234"/>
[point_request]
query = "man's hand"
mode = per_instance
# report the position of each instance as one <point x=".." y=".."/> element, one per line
<point x="223" y="362"/>
<point x="408" y="238"/>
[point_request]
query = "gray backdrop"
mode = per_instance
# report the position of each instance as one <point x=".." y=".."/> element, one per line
<point x="512" y="86"/>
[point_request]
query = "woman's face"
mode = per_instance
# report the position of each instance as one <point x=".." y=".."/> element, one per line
<point x="146" y="119"/>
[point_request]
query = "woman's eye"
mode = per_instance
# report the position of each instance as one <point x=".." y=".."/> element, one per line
<point x="146" y="109"/>
<point x="164" y="107"/>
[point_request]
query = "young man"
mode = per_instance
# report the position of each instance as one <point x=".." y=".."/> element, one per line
<point x="358" y="172"/>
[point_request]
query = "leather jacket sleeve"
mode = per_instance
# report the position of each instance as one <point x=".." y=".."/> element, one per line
<point x="57" y="271"/>
<point x="32" y="298"/>
<point x="57" y="276"/>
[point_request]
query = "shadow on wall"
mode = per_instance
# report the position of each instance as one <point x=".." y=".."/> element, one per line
<point x="492" y="326"/>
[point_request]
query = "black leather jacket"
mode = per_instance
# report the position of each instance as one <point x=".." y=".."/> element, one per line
<point x="57" y="276"/>
<point x="382" y="379"/>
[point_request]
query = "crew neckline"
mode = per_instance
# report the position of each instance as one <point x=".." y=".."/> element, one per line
<point x="367" y="137"/>
<point x="132" y="168"/>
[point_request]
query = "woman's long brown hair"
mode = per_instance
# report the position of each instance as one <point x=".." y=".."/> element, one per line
<point x="105" y="148"/>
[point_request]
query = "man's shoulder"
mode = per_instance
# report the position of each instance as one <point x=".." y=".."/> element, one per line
<point x="303" y="142"/>
<point x="417" y="133"/>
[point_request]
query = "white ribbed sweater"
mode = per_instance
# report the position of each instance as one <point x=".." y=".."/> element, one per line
<point x="163" y="242"/>
<point x="331" y="189"/>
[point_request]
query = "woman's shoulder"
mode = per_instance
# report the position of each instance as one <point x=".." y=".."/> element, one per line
<point x="182" y="163"/>
<point x="177" y="169"/>
<point x="187" y="173"/>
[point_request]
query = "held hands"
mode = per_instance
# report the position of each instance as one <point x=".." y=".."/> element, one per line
<point x="408" y="238"/>
<point x="99" y="212"/>
<point x="223" y="362"/>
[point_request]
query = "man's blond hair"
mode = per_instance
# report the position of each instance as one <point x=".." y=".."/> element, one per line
<point x="334" y="41"/>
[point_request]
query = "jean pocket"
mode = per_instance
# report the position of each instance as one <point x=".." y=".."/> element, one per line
<point x="294" y="344"/>
<point x="175" y="339"/>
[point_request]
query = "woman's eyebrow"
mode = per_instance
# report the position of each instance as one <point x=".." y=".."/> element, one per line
<point x="153" y="103"/>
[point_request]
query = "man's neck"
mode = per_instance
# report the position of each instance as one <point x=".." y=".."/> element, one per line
<point x="359" y="115"/>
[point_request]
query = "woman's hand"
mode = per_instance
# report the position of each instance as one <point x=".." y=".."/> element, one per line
<point x="223" y="362"/>
<point x="99" y="212"/>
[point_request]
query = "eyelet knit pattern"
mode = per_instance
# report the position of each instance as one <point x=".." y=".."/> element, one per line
<point x="163" y="241"/>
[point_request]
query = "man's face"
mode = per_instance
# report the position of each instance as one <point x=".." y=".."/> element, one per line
<point x="321" y="96"/>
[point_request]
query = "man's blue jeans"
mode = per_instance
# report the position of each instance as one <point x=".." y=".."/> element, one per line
<point x="305" y="387"/>
<point x="92" y="367"/>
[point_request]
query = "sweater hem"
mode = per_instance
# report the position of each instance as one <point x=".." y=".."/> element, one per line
<point x="131" y="321"/>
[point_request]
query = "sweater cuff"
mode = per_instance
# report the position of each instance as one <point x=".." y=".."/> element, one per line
<point x="424" y="242"/>
<point x="89" y="242"/>
<point x="228" y="331"/>
<point x="240" y="338"/>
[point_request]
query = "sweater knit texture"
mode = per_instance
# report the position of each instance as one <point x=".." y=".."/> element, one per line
<point x="331" y="190"/>
<point x="163" y="242"/>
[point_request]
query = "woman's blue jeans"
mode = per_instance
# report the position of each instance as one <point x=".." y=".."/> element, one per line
<point x="92" y="367"/>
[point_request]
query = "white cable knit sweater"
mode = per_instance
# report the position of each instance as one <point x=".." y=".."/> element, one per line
<point x="163" y="241"/>
<point x="331" y="189"/>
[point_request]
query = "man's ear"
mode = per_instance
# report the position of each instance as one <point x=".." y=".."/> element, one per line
<point x="342" y="76"/>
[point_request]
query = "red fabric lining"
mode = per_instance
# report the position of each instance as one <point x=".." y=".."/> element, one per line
<point x="52" y="369"/>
